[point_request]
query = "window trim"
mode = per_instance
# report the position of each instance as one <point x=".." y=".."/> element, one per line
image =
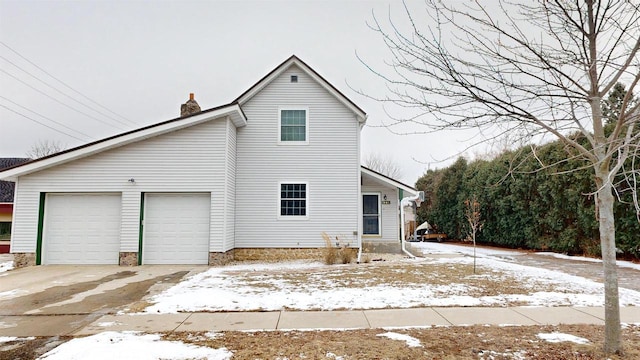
<point x="306" y="199"/>
<point x="379" y="195"/>
<point x="306" y="126"/>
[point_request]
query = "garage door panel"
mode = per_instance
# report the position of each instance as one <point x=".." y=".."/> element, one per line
<point x="176" y="228"/>
<point x="81" y="229"/>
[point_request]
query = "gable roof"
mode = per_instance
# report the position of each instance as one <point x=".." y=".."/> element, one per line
<point x="231" y="110"/>
<point x="7" y="187"/>
<point x="385" y="179"/>
<point x="291" y="61"/>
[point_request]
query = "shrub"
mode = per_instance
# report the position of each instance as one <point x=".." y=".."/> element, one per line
<point x="330" y="252"/>
<point x="346" y="255"/>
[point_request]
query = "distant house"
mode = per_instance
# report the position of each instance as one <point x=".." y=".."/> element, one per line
<point x="6" y="203"/>
<point x="261" y="177"/>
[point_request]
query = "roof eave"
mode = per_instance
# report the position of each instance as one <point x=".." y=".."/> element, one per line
<point x="388" y="180"/>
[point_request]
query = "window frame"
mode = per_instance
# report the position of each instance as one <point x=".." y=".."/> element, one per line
<point x="306" y="199"/>
<point x="306" y="126"/>
<point x="379" y="196"/>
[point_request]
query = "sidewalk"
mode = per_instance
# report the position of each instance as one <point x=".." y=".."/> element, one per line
<point x="39" y="325"/>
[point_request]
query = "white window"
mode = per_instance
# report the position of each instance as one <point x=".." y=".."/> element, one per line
<point x="371" y="214"/>
<point x="293" y="200"/>
<point x="293" y="125"/>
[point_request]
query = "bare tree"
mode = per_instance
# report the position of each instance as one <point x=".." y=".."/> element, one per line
<point x="44" y="148"/>
<point x="537" y="68"/>
<point x="385" y="165"/>
<point x="472" y="213"/>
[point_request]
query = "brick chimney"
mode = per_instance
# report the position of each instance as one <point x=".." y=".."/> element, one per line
<point x="190" y="107"/>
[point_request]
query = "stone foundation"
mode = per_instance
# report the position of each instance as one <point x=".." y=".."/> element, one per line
<point x="381" y="247"/>
<point x="24" y="259"/>
<point x="128" y="259"/>
<point x="219" y="258"/>
<point x="278" y="254"/>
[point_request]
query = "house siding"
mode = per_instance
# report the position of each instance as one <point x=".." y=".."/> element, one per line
<point x="130" y="221"/>
<point x="187" y="160"/>
<point x="328" y="164"/>
<point x="230" y="188"/>
<point x="390" y="224"/>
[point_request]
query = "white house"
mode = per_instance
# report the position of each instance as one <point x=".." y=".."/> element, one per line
<point x="260" y="177"/>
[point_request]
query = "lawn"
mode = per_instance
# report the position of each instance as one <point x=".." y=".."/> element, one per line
<point x="444" y="277"/>
<point x="397" y="282"/>
<point x="464" y="342"/>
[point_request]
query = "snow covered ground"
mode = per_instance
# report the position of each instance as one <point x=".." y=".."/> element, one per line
<point x="6" y="266"/>
<point x="132" y="345"/>
<point x="265" y="286"/>
<point x="443" y="248"/>
<point x="6" y="263"/>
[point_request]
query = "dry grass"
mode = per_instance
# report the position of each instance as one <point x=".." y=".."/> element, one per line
<point x="486" y="281"/>
<point x="472" y="342"/>
<point x="330" y="252"/>
<point x="332" y="255"/>
<point x="448" y="343"/>
<point x="345" y="255"/>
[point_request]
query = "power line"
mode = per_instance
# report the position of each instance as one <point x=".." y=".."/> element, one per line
<point x="59" y="91"/>
<point x="65" y="84"/>
<point x="60" y="102"/>
<point x="38" y="122"/>
<point x="53" y="121"/>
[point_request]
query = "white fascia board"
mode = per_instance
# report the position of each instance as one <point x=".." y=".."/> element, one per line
<point x="388" y="181"/>
<point x="360" y="116"/>
<point x="232" y="111"/>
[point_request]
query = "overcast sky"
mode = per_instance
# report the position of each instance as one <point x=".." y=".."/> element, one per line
<point x="140" y="60"/>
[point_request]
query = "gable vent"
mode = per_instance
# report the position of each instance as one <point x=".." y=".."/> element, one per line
<point x="294" y="78"/>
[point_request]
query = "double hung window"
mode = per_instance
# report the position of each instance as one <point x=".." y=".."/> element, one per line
<point x="293" y="126"/>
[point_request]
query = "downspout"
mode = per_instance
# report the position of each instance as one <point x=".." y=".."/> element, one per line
<point x="406" y="201"/>
<point x="359" y="230"/>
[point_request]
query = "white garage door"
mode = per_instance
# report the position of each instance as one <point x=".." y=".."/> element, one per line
<point x="176" y="229"/>
<point x="81" y="229"/>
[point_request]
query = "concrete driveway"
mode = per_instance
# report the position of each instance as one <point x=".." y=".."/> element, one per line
<point x="60" y="299"/>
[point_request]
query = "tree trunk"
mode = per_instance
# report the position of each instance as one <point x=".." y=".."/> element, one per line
<point x="612" y="343"/>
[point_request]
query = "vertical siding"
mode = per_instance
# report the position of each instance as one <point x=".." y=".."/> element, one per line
<point x="130" y="221"/>
<point x="188" y="160"/>
<point x="329" y="164"/>
<point x="390" y="222"/>
<point x="230" y="190"/>
<point x="25" y="219"/>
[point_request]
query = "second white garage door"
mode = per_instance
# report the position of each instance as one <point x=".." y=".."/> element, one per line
<point x="176" y="228"/>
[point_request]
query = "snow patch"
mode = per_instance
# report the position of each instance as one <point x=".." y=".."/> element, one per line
<point x="331" y="355"/>
<point x="490" y="354"/>
<point x="410" y="340"/>
<point x="131" y="345"/>
<point x="213" y="335"/>
<point x="556" y="337"/>
<point x="108" y="323"/>
<point x="4" y="339"/>
<point x="6" y="266"/>
<point x="11" y="293"/>
<point x="620" y="263"/>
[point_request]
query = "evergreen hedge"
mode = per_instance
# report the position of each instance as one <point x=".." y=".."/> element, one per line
<point x="524" y="206"/>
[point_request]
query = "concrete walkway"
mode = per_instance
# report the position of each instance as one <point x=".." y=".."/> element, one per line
<point x="43" y="325"/>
